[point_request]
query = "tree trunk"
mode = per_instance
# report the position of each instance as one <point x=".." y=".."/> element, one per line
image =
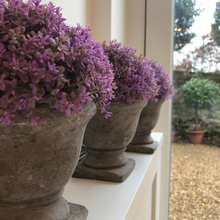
<point x="196" y="124"/>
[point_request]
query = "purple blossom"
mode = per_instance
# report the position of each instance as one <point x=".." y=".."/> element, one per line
<point x="43" y="60"/>
<point x="2" y="84"/>
<point x="6" y="117"/>
<point x="134" y="76"/>
<point x="162" y="80"/>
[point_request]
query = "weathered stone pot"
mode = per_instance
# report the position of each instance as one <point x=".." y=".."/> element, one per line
<point x="142" y="141"/>
<point x="36" y="164"/>
<point x="106" y="141"/>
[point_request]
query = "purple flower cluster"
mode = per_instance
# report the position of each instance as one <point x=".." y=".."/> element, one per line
<point x="162" y="80"/>
<point x="134" y="76"/>
<point x="42" y="60"/>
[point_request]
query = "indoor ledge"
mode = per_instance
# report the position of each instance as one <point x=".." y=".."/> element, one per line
<point x="137" y="198"/>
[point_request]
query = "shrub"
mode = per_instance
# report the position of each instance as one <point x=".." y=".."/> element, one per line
<point x="162" y="80"/>
<point x="200" y="94"/>
<point x="134" y="76"/>
<point x="42" y="60"/>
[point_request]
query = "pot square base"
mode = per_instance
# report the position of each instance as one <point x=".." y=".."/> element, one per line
<point x="142" y="148"/>
<point x="77" y="212"/>
<point x="112" y="175"/>
<point x="54" y="211"/>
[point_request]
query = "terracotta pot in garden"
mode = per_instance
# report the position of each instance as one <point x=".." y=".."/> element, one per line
<point x="36" y="164"/>
<point x="195" y="137"/>
<point x="199" y="94"/>
<point x="106" y="142"/>
<point x="142" y="141"/>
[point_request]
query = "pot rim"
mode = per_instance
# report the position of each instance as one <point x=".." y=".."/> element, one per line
<point x="195" y="132"/>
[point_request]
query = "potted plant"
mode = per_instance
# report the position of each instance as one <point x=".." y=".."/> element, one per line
<point x="142" y="141"/>
<point x="106" y="140"/>
<point x="199" y="94"/>
<point x="51" y="76"/>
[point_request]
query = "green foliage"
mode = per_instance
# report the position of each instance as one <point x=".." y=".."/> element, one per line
<point x="180" y="127"/>
<point x="210" y="133"/>
<point x="211" y="76"/>
<point x="215" y="26"/>
<point x="200" y="93"/>
<point x="184" y="19"/>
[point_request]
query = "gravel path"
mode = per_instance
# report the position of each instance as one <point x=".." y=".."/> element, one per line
<point x="195" y="182"/>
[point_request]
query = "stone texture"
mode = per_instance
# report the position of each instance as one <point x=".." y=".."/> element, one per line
<point x="119" y="174"/>
<point x="61" y="211"/>
<point x="77" y="212"/>
<point x="106" y="140"/>
<point x="143" y="148"/>
<point x="142" y="141"/>
<point x="36" y="164"/>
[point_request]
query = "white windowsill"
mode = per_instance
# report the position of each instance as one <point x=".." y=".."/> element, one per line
<point x="131" y="199"/>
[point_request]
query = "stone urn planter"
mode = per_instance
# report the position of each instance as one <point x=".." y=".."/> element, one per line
<point x="36" y="164"/>
<point x="195" y="137"/>
<point x="106" y="141"/>
<point x="142" y="141"/>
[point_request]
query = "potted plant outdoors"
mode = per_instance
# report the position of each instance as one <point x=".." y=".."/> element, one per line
<point x="51" y="75"/>
<point x="199" y="94"/>
<point x="106" y="140"/>
<point x="142" y="141"/>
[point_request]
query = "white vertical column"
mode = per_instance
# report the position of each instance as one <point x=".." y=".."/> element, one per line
<point x="127" y="23"/>
<point x="101" y="20"/>
<point x="159" y="46"/>
<point x="122" y="20"/>
<point x="118" y="20"/>
<point x="135" y="18"/>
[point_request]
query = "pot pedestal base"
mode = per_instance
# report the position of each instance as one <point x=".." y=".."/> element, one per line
<point x="77" y="212"/>
<point x="112" y="175"/>
<point x="142" y="148"/>
<point x="59" y="210"/>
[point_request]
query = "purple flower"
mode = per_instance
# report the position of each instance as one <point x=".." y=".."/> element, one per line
<point x="4" y="101"/>
<point x="134" y="76"/>
<point x="6" y="117"/>
<point x="45" y="61"/>
<point x="162" y="80"/>
<point x="2" y="84"/>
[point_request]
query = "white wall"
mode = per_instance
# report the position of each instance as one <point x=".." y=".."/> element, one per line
<point x="118" y="20"/>
<point x="135" y="24"/>
<point x="101" y="20"/>
<point x="75" y="11"/>
<point x="159" y="46"/>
